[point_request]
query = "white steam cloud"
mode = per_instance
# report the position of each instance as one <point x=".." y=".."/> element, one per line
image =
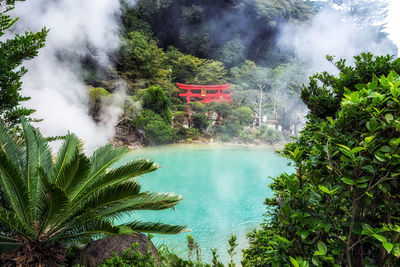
<point x="331" y="33"/>
<point x="53" y="81"/>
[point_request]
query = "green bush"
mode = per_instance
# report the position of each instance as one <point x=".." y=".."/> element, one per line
<point x="268" y="135"/>
<point x="197" y="107"/>
<point x="98" y="93"/>
<point x="155" y="99"/>
<point x="179" y="117"/>
<point x="131" y="257"/>
<point x="229" y="130"/>
<point x="182" y="133"/>
<point x="341" y="207"/>
<point x="158" y="132"/>
<point x="156" y="129"/>
<point x="246" y="137"/>
<point x="199" y="121"/>
<point x="192" y="133"/>
<point x="181" y="108"/>
<point x="244" y="115"/>
<point x="132" y="108"/>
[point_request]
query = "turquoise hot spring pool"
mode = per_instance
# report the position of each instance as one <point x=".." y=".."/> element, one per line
<point x="223" y="187"/>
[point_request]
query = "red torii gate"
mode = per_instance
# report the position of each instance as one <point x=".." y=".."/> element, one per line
<point x="208" y="93"/>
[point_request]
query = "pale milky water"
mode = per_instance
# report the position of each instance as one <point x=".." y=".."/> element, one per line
<point x="223" y="187"/>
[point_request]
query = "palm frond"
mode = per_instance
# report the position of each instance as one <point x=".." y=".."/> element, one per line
<point x="143" y="201"/>
<point x="118" y="175"/>
<point x="79" y="176"/>
<point x="13" y="151"/>
<point x="66" y="154"/>
<point x="14" y="188"/>
<point x="106" y="197"/>
<point x="10" y="221"/>
<point x="37" y="153"/>
<point x="57" y="203"/>
<point x="158" y="228"/>
<point x="98" y="227"/>
<point x="101" y="160"/>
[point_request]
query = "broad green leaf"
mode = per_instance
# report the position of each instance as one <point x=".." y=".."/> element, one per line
<point x="395" y="91"/>
<point x="319" y="253"/>
<point x="326" y="190"/>
<point x="394" y="142"/>
<point x="379" y="156"/>
<point x="348" y="181"/>
<point x="322" y="247"/>
<point x="389" y="117"/>
<point x="362" y="185"/>
<point x="369" y="194"/>
<point x="369" y="168"/>
<point x="388" y="246"/>
<point x="363" y="179"/>
<point x="304" y="234"/>
<point x="372" y="85"/>
<point x="383" y="81"/>
<point x="368" y="139"/>
<point x="385" y="149"/>
<point x="357" y="149"/>
<point x="367" y="229"/>
<point x="281" y="238"/>
<point x="380" y="237"/>
<point x="382" y="188"/>
<point x="294" y="262"/>
<point x="390" y="77"/>
<point x="344" y="147"/>
<point x="360" y="86"/>
<point x="396" y="251"/>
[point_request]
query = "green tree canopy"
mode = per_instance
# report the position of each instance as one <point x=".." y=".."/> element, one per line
<point x="140" y="57"/>
<point x="341" y="206"/>
<point x="155" y="99"/>
<point x="12" y="53"/>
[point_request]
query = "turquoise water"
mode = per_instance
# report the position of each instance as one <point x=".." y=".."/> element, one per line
<point x="223" y="187"/>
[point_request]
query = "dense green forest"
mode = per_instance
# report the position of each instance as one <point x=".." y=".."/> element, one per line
<point x="339" y="208"/>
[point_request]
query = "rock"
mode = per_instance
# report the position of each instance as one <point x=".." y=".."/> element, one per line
<point x="100" y="250"/>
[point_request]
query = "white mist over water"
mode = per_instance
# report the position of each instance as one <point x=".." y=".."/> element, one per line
<point x="58" y="94"/>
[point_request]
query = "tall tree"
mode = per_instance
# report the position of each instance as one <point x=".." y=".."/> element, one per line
<point x="12" y="53"/>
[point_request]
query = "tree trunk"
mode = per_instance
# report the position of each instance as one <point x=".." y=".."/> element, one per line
<point x="260" y="106"/>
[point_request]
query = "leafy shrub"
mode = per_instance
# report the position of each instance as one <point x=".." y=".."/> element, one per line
<point x="132" y="108"/>
<point x="246" y="136"/>
<point x="181" y="108"/>
<point x="229" y="130"/>
<point x="155" y="99"/>
<point x="197" y="107"/>
<point x="131" y="257"/>
<point x="179" y="117"/>
<point x="268" y="135"/>
<point x="341" y="207"/>
<point x="98" y="93"/>
<point x="244" y="115"/>
<point x="199" y="121"/>
<point x="158" y="132"/>
<point x="156" y="129"/>
<point x="182" y="133"/>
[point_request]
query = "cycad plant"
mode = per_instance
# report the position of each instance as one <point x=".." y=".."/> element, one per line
<point x="54" y="201"/>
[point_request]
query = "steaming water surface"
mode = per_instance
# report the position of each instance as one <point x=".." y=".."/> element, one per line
<point x="223" y="187"/>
